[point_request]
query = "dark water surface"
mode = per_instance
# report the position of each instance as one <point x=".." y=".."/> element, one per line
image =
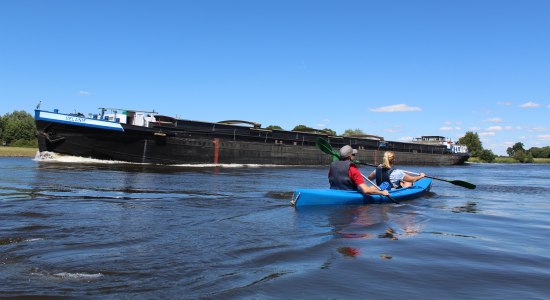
<point x="125" y="231"/>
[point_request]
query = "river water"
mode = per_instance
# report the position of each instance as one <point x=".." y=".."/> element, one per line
<point x="106" y="230"/>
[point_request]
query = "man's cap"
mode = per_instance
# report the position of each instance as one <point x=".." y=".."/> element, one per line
<point x="347" y="151"/>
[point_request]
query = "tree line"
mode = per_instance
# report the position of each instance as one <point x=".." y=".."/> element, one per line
<point x="18" y="129"/>
<point x="517" y="151"/>
<point x="520" y="154"/>
<point x="304" y="128"/>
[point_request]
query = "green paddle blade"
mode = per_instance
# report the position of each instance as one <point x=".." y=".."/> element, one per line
<point x="326" y="147"/>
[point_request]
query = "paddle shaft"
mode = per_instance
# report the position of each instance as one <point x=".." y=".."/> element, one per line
<point x="390" y="197"/>
<point x="455" y="182"/>
<point x="366" y="178"/>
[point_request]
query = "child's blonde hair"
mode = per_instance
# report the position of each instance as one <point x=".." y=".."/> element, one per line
<point x="388" y="159"/>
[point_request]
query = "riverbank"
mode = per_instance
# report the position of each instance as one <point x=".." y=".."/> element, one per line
<point x="17" y="151"/>
<point x="509" y="160"/>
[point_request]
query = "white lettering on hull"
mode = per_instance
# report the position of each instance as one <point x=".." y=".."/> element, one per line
<point x="78" y="121"/>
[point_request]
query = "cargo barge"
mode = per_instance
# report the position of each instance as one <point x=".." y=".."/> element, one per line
<point x="148" y="137"/>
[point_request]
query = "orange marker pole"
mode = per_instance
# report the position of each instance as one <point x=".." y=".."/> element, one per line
<point x="216" y="142"/>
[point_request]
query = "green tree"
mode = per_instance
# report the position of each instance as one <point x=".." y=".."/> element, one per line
<point x="529" y="158"/>
<point x="487" y="155"/>
<point x="519" y="156"/>
<point x="328" y="131"/>
<point x="537" y="152"/>
<point x="276" y="127"/>
<point x="523" y="157"/>
<point x="352" y="132"/>
<point x="1" y="129"/>
<point x="304" y="128"/>
<point x="471" y="140"/>
<point x="511" y="151"/>
<point x="18" y="128"/>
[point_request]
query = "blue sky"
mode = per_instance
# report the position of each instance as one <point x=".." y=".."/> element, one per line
<point x="398" y="69"/>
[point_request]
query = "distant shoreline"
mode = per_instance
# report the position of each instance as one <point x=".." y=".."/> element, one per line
<point x="508" y="160"/>
<point x="17" y="151"/>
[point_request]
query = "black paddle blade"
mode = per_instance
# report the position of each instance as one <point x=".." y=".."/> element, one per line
<point x="393" y="200"/>
<point x="465" y="184"/>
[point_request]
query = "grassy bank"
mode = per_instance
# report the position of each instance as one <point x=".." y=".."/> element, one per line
<point x="17" y="151"/>
<point x="509" y="160"/>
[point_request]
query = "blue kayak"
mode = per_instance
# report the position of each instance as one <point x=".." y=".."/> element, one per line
<point x="309" y="197"/>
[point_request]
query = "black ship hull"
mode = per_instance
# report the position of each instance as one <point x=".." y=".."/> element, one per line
<point x="194" y="142"/>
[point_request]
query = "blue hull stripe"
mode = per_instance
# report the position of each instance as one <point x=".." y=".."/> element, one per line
<point x="77" y="121"/>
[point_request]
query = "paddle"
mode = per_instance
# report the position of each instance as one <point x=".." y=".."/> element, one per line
<point x="455" y="182"/>
<point x="390" y="197"/>
<point x="324" y="146"/>
<point x="327" y="148"/>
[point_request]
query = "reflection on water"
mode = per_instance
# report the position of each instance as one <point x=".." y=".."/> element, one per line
<point x="349" y="251"/>
<point x="470" y="207"/>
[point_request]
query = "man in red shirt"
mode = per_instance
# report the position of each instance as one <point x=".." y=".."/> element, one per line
<point x="343" y="174"/>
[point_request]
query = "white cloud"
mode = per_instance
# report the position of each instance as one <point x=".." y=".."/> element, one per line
<point x="548" y="106"/>
<point x="494" y="120"/>
<point x="395" y="108"/>
<point x="487" y="133"/>
<point x="446" y="128"/>
<point x="494" y="128"/>
<point x="406" y="139"/>
<point x="323" y="123"/>
<point x="507" y="103"/>
<point x="508" y="127"/>
<point x="544" y="137"/>
<point x="474" y="128"/>
<point x="450" y="123"/>
<point x="391" y="130"/>
<point x="539" y="128"/>
<point x="457" y="128"/>
<point x="83" y="93"/>
<point x="529" y="105"/>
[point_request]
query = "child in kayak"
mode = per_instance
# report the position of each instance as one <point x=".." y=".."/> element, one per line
<point x="388" y="177"/>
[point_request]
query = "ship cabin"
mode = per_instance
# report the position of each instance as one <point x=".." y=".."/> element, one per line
<point x="431" y="140"/>
<point x="126" y="116"/>
<point x="441" y="140"/>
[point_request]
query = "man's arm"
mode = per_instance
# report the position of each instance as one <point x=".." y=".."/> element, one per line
<point x="372" y="190"/>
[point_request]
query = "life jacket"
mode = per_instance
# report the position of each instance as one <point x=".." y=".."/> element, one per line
<point x="339" y="176"/>
<point x="383" y="178"/>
